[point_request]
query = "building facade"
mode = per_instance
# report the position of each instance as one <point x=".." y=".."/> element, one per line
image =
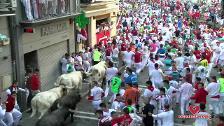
<point x="101" y="14"/>
<point x="47" y="37"/>
<point x="40" y="33"/>
<point x="7" y="9"/>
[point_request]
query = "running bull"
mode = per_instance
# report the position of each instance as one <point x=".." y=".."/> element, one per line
<point x="44" y="100"/>
<point x="98" y="72"/>
<point x="71" y="80"/>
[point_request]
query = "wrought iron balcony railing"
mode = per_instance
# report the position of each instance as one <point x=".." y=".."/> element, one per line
<point x="7" y="7"/>
<point x="43" y="10"/>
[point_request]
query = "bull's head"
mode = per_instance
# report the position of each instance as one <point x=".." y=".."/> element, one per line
<point x="85" y="74"/>
<point x="64" y="90"/>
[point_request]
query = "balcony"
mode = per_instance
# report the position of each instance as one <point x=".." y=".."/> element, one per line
<point x="50" y="10"/>
<point x="7" y="7"/>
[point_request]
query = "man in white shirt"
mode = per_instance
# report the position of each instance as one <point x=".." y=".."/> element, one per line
<point x="110" y="73"/>
<point x="186" y="90"/>
<point x="151" y="65"/>
<point x="151" y="92"/>
<point x="106" y="111"/>
<point x="179" y="62"/>
<point x="213" y="94"/>
<point x="115" y="53"/>
<point x="64" y="61"/>
<point x="201" y="72"/>
<point x="96" y="95"/>
<point x="170" y="91"/>
<point x="118" y="103"/>
<point x="127" y="57"/>
<point x="156" y="76"/>
<point x="202" y="121"/>
<point x="86" y="60"/>
<point x="176" y="85"/>
<point x="167" y="116"/>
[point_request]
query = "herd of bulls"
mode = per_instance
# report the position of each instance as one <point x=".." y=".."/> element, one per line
<point x="56" y="104"/>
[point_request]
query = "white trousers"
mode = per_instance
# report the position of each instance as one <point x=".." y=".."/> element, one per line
<point x="214" y="104"/>
<point x="86" y="66"/>
<point x="113" y="97"/>
<point x="28" y="10"/>
<point x="17" y="115"/>
<point x="144" y="61"/>
<point x="9" y="118"/>
<point x="81" y="37"/>
<point x="184" y="103"/>
<point x="96" y="104"/>
<point x="138" y="67"/>
<point x="221" y="103"/>
<point x="128" y="63"/>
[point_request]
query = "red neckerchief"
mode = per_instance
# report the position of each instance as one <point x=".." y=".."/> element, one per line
<point x="151" y="88"/>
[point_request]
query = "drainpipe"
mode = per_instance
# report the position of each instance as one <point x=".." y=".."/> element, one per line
<point x="17" y="57"/>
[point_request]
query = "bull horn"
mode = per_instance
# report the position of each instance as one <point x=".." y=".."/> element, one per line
<point x="69" y="87"/>
<point x="88" y="73"/>
<point x="56" y="84"/>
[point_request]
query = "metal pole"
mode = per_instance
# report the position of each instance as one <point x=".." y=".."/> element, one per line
<point x="161" y="9"/>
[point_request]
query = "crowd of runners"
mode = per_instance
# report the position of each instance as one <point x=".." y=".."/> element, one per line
<point x="181" y="47"/>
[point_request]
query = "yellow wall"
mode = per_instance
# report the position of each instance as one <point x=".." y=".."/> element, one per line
<point x="113" y="19"/>
<point x="92" y="32"/>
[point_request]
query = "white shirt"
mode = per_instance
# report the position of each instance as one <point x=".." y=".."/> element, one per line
<point x="96" y="92"/>
<point x="111" y="72"/>
<point x="170" y="91"/>
<point x="121" y="92"/>
<point x="151" y="66"/>
<point x="201" y="72"/>
<point x="213" y="89"/>
<point x="174" y="84"/>
<point x="108" y="114"/>
<point x="148" y="93"/>
<point x="115" y="52"/>
<point x="156" y="76"/>
<point x="117" y="105"/>
<point x="86" y="56"/>
<point x="180" y="62"/>
<point x="163" y="100"/>
<point x="201" y="121"/>
<point x="128" y="55"/>
<point x="186" y="90"/>
<point x="64" y="62"/>
<point x="160" y="63"/>
<point x="166" y="117"/>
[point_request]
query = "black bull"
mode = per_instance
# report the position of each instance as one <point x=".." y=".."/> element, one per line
<point x="59" y="111"/>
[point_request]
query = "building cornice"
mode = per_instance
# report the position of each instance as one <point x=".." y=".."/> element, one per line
<point x="100" y="11"/>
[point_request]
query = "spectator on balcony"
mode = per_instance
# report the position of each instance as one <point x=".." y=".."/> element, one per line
<point x="82" y="35"/>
